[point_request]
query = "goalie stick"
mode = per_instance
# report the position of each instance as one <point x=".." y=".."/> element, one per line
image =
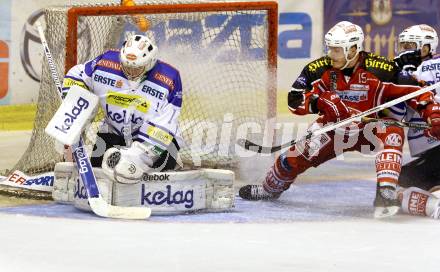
<point x="356" y="118"/>
<point x="98" y="205"/>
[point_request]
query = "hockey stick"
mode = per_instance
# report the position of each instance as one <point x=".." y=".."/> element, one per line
<point x="356" y="118"/>
<point x="98" y="205"/>
<point x="388" y="122"/>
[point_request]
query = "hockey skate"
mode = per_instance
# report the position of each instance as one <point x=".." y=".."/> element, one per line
<point x="386" y="203"/>
<point x="256" y="192"/>
<point x="436" y="213"/>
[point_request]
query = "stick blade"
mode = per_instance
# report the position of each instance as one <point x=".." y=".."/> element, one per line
<point x="258" y="148"/>
<point x="244" y="143"/>
<point x="248" y="145"/>
<point x="101" y="208"/>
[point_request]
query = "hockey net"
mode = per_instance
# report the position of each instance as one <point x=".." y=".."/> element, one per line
<point x="225" y="52"/>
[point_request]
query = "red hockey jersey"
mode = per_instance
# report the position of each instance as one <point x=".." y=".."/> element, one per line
<point x="374" y="81"/>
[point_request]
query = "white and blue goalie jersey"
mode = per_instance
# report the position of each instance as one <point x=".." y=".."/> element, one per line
<point x="149" y="109"/>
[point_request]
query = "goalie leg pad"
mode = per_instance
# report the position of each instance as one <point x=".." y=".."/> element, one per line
<point x="68" y="188"/>
<point x="66" y="175"/>
<point x="206" y="190"/>
<point x="170" y="192"/>
<point x="105" y="185"/>
<point x="219" y="190"/>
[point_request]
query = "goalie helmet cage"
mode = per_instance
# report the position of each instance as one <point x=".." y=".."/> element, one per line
<point x="226" y="53"/>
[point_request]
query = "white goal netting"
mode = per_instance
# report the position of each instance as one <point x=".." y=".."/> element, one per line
<point x="223" y="57"/>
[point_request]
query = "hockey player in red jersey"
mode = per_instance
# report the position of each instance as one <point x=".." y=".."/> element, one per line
<point x="419" y="178"/>
<point x="347" y="80"/>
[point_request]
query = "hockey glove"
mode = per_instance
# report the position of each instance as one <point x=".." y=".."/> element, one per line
<point x="331" y="107"/>
<point x="431" y="114"/>
<point x="408" y="60"/>
<point x="295" y="98"/>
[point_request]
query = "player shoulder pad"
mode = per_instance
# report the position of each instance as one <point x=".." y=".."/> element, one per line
<point x="317" y="67"/>
<point x="166" y="75"/>
<point x="436" y="56"/>
<point x="165" y="68"/>
<point x="111" y="55"/>
<point x="108" y="60"/>
<point x="384" y="69"/>
<point x="312" y="72"/>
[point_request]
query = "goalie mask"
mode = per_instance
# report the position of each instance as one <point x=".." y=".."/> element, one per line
<point x="344" y="35"/>
<point x="419" y="35"/>
<point x="138" y="56"/>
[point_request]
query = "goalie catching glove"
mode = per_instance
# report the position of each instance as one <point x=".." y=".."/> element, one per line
<point x="127" y="165"/>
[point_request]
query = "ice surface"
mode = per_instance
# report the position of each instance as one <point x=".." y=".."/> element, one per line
<point x="321" y="201"/>
<point x="322" y="226"/>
